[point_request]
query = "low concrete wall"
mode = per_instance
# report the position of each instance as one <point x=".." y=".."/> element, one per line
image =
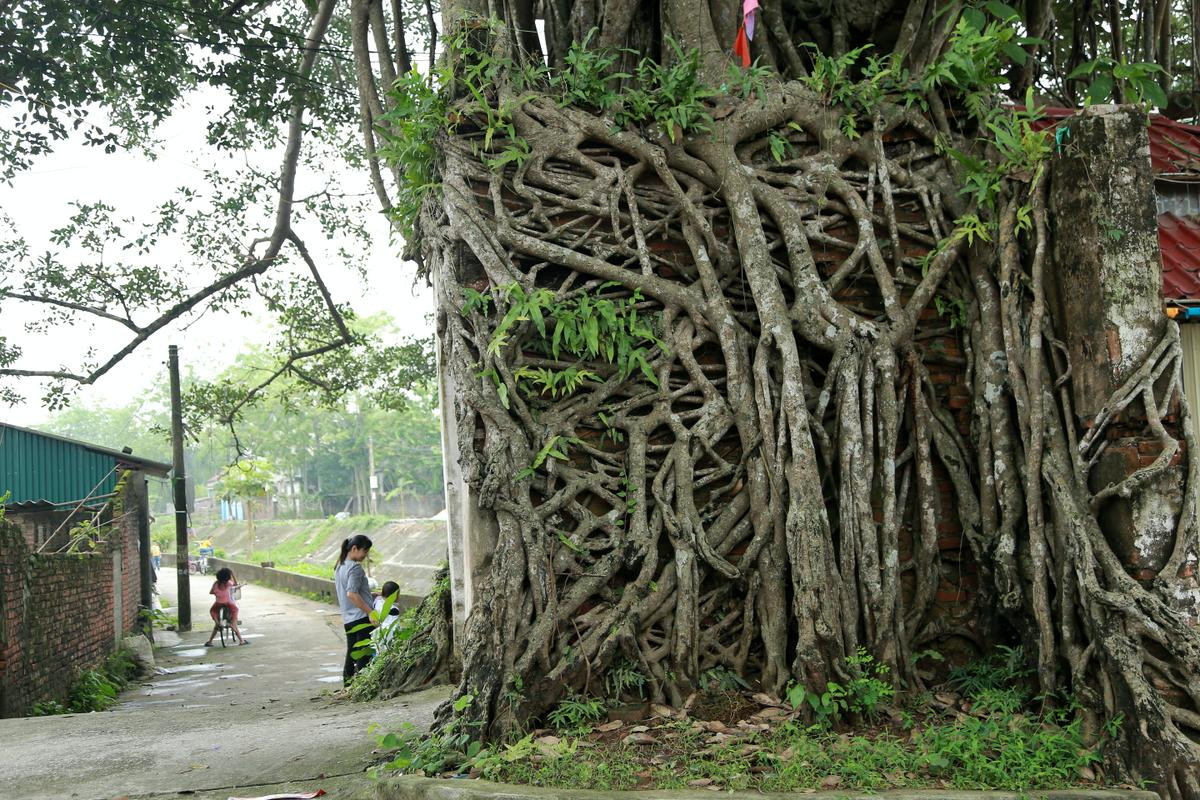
<point x="413" y="788"/>
<point x="282" y="579"/>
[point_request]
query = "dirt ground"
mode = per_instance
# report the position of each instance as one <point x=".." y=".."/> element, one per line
<point x="217" y="722"/>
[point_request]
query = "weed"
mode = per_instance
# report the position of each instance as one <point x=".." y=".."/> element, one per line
<point x="94" y="689"/>
<point x="576" y="715"/>
<point x="1004" y="668"/>
<point x="624" y="676"/>
<point x="722" y="679"/>
<point x="865" y="693"/>
<point x="1012" y="753"/>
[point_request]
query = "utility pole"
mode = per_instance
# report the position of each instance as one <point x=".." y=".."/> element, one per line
<point x="181" y="528"/>
<point x="372" y="481"/>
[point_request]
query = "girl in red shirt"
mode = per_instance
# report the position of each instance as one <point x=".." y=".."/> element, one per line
<point x="222" y="590"/>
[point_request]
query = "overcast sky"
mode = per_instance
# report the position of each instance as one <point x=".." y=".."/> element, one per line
<point x="37" y="202"/>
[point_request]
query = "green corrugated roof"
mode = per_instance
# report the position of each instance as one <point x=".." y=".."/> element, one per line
<point x="41" y="468"/>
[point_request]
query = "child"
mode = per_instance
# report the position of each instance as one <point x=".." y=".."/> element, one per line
<point x="384" y="632"/>
<point x="222" y="589"/>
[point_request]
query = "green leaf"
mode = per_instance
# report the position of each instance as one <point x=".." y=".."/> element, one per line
<point x="974" y="18"/>
<point x="1152" y="92"/>
<point x="1084" y="69"/>
<point x="1100" y="90"/>
<point x="1016" y="53"/>
<point x="1002" y="10"/>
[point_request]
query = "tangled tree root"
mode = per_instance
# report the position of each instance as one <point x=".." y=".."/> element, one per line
<point x="759" y="492"/>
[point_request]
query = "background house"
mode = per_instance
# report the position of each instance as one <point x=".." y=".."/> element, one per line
<point x="74" y="560"/>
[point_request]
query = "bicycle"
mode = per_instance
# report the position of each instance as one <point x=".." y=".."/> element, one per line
<point x="225" y="625"/>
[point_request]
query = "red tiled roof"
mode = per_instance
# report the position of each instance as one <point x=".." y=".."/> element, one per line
<point x="1179" y="240"/>
<point x="1174" y="146"/>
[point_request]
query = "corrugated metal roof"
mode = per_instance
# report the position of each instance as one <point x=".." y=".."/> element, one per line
<point x="1179" y="240"/>
<point x="1174" y="146"/>
<point x="43" y="469"/>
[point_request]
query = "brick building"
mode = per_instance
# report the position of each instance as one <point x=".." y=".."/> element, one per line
<point x="74" y="560"/>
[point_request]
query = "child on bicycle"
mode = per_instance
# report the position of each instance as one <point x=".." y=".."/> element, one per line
<point x="222" y="590"/>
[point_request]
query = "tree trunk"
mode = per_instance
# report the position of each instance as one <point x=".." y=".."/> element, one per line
<point x="722" y="385"/>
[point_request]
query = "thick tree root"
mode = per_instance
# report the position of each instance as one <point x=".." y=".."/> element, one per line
<point x="763" y="496"/>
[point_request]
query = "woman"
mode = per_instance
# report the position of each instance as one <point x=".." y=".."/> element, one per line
<point x="354" y="598"/>
<point x="222" y="592"/>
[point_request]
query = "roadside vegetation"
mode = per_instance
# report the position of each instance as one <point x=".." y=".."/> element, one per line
<point x="982" y="728"/>
<point x="95" y="689"/>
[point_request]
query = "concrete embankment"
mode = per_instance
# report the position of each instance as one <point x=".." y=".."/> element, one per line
<point x="309" y="585"/>
<point x="407" y="551"/>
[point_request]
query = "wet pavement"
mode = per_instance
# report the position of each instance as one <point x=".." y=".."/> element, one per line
<point x="215" y="718"/>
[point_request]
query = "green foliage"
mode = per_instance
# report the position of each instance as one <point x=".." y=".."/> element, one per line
<point x="576" y="715"/>
<point x="158" y="618"/>
<point x="1005" y="668"/>
<point x="747" y="82"/>
<point x="830" y="76"/>
<point x="85" y="536"/>
<point x="723" y="679"/>
<point x="555" y="447"/>
<point x="588" y="79"/>
<point x="409" y="132"/>
<point x="584" y="325"/>
<point x="670" y="96"/>
<point x="867" y="691"/>
<point x="248" y="478"/>
<point x="108" y="73"/>
<point x="94" y="689"/>
<point x="452" y="750"/>
<point x="1004" y="752"/>
<point x="623" y="676"/>
<point x="1139" y="82"/>
<point x="1013" y="753"/>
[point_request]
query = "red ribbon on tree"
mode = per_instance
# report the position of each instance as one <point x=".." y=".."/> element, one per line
<point x="741" y="47"/>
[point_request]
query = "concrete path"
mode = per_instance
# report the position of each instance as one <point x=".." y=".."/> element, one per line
<point x="262" y="715"/>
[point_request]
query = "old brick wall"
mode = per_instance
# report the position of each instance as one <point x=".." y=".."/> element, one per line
<point x="62" y="613"/>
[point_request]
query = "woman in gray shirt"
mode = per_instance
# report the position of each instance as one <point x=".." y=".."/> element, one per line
<point x="354" y="598"/>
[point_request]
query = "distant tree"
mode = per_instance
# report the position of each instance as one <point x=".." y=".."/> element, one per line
<point x="250" y="480"/>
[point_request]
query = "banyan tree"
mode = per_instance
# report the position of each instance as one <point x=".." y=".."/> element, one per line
<point x="772" y="331"/>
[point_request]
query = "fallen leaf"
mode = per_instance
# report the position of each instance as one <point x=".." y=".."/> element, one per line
<point x="831" y="781"/>
<point x="638" y="738"/>
<point x="638" y="729"/>
<point x="1086" y="774"/>
<point x="659" y="710"/>
<point x="700" y="782"/>
<point x="764" y="699"/>
<point x="770" y="713"/>
<point x="551" y="740"/>
<point x="610" y="726"/>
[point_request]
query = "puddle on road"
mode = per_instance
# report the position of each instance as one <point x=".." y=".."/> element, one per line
<point x="196" y="668"/>
<point x="331" y="679"/>
<point x="196" y="653"/>
<point x="180" y="683"/>
<point x="235" y="675"/>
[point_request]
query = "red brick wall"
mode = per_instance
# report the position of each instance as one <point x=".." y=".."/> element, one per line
<point x="58" y="611"/>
